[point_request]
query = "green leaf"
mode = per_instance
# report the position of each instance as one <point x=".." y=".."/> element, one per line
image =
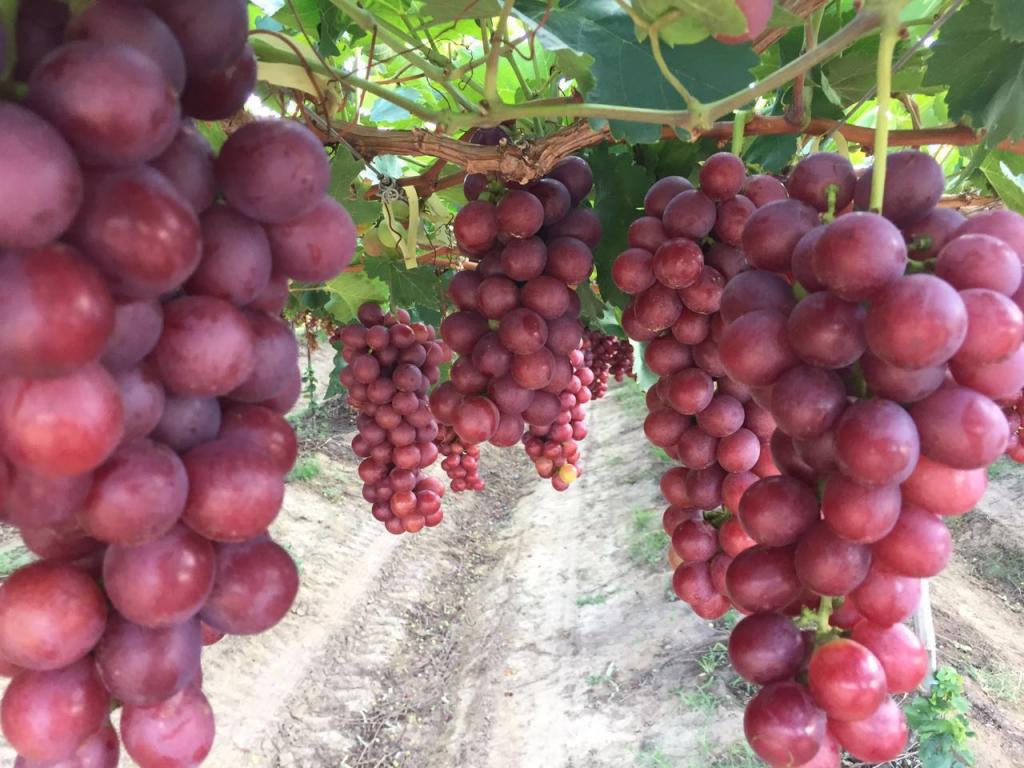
<point x="700" y="19"/>
<point x="578" y="67"/>
<point x="853" y="74"/>
<point x="624" y="69"/>
<point x="213" y="132"/>
<point x="1005" y="172"/>
<point x="1007" y="19"/>
<point x="592" y="309"/>
<point x="345" y="168"/>
<point x="771" y="153"/>
<point x="783" y="19"/>
<point x="420" y="288"/>
<point x="349" y="291"/>
<point x="450" y="10"/>
<point x="384" y="111"/>
<point x="985" y="73"/>
<point x="620" y="190"/>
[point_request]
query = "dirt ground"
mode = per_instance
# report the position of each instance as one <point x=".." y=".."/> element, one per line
<point x="534" y="629"/>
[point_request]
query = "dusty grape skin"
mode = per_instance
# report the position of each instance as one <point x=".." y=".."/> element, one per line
<point x="133" y="119"/>
<point x="255" y="586"/>
<point x="773" y="231"/>
<point x="273" y="171"/>
<point x="46" y="715"/>
<point x="914" y="182"/>
<point x="135" y="26"/>
<point x="61" y="426"/>
<point x="220" y="95"/>
<point x="139" y="230"/>
<point x="51" y="615"/>
<point x="315" y="246"/>
<point x="839" y="261"/>
<point x="43" y="184"/>
<point x="810" y="180"/>
<point x="212" y="33"/>
<point x="56" y="312"/>
<point x="142" y="666"/>
<point x="236" y="262"/>
<point x="206" y="347"/>
<point x="178" y="731"/>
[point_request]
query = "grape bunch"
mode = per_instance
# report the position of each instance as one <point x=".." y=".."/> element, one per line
<point x="882" y="387"/>
<point x="144" y="369"/>
<point x="517" y="327"/>
<point x="699" y="415"/>
<point x="607" y="356"/>
<point x="461" y="462"/>
<point x="391" y="363"/>
<point x="1013" y="411"/>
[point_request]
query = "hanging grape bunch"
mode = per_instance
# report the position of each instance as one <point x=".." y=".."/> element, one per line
<point x="520" y="373"/>
<point x="880" y="387"/>
<point x="607" y="356"/>
<point x="391" y="365"/>
<point x="144" y="370"/>
<point x="461" y="462"/>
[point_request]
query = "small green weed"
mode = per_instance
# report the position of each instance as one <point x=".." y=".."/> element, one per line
<point x="940" y="723"/>
<point x="306" y="468"/>
<point x="597" y="598"/>
<point x="647" y="539"/>
<point x="650" y="757"/>
<point x="13" y="558"/>
<point x="1005" y="685"/>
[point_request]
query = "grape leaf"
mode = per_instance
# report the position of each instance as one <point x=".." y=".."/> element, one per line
<point x="1005" y="172"/>
<point x="771" y="153"/>
<point x="592" y="309"/>
<point x="417" y="288"/>
<point x="783" y="19"/>
<point x="700" y="19"/>
<point x="349" y="291"/>
<point x="617" y="204"/>
<point x="345" y="167"/>
<point x="450" y="10"/>
<point x="624" y="69"/>
<point x="853" y="74"/>
<point x="1007" y="19"/>
<point x="984" y="72"/>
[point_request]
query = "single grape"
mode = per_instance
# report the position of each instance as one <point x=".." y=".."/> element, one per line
<point x="46" y="715"/>
<point x="858" y="255"/>
<point x="763" y="189"/>
<point x="886" y="597"/>
<point x="783" y="725"/>
<point x="995" y="329"/>
<point x="43" y="185"/>
<point x="188" y="421"/>
<point x="755" y="348"/>
<point x="857" y="513"/>
<point x="56" y="313"/>
<point x="828" y="564"/>
<point x="219" y="95"/>
<point x="51" y="615"/>
<point x="763" y="579"/>
<point x="212" y="33"/>
<point x="178" y="731"/>
<point x="878" y="738"/>
<point x="944" y="490"/>
<point x="314" y="246"/>
<point x="61" y="426"/>
<point x="689" y="214"/>
<point x="914" y="182"/>
<point x="827" y="331"/>
<point x="766" y="648"/>
<point x="917" y="321"/>
<point x="929" y="234"/>
<point x="234" y="492"/>
<point x="960" y="428"/>
<point x="137" y="495"/>
<point x="773" y="231"/>
<point x="753" y="290"/>
<point x="236" y="261"/>
<point x="132" y="118"/>
<point x="662" y="192"/>
<point x="902" y="656"/>
<point x="162" y="582"/>
<point x="137" y="328"/>
<point x="776" y="511"/>
<point x="1006" y="225"/>
<point x="877" y="443"/>
<point x="806" y="402"/>
<point x="902" y="385"/>
<point x="846" y="680"/>
<point x="142" y="666"/>
<point x="919" y="545"/>
<point x="207" y="347"/>
<point x="820" y="176"/>
<point x="276" y="171"/>
<point x="255" y="586"/>
<point x="575" y="174"/>
<point x="722" y="176"/>
<point x="979" y="261"/>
